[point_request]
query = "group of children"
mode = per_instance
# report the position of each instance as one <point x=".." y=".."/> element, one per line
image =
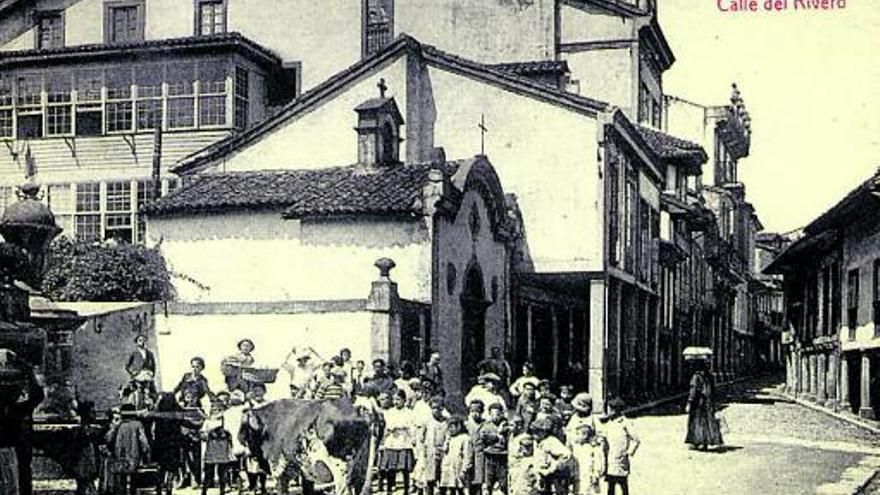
<point x="544" y="444"/>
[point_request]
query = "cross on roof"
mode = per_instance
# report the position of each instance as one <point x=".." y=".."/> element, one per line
<point x="382" y="88"/>
<point x="483" y="130"/>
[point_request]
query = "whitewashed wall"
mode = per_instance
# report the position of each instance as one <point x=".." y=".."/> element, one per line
<point x="545" y="154"/>
<point x="257" y="256"/>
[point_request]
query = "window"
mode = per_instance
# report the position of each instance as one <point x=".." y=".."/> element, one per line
<point x="29" y="99"/>
<point x="632" y="220"/>
<point x="210" y="17"/>
<point x="852" y="299"/>
<point x="876" y="300"/>
<point x="124" y="21"/>
<point x="60" y="200"/>
<point x="826" y="301"/>
<point x="836" y="298"/>
<point x="378" y="25"/>
<point x="149" y="96"/>
<point x="181" y="91"/>
<point x="119" y="106"/>
<point x="644" y="111"/>
<point x="89" y="111"/>
<point x="59" y="112"/>
<point x="6" y="108"/>
<point x="242" y="88"/>
<point x="87" y="224"/>
<point x="212" y="94"/>
<point x="118" y="196"/>
<point x="50" y="30"/>
<point x="613" y="212"/>
<point x="656" y="113"/>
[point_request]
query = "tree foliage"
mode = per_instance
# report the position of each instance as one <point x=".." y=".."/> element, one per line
<point x="81" y="271"/>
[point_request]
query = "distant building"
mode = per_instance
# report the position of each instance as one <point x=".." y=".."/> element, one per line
<point x="729" y="246"/>
<point x="831" y="280"/>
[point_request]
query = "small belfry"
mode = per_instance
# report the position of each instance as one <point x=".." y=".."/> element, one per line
<point x="378" y="129"/>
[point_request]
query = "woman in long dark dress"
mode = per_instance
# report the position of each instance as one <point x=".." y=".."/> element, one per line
<point x="703" y="428"/>
<point x="168" y="439"/>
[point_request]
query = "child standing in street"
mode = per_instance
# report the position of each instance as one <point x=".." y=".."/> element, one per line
<point x="524" y="479"/>
<point x="588" y="453"/>
<point x="622" y="445"/>
<point x="398" y="443"/>
<point x="434" y="434"/>
<point x="218" y="449"/>
<point x="457" y="459"/>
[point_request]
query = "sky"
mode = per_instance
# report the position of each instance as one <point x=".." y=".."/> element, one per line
<point x="811" y="82"/>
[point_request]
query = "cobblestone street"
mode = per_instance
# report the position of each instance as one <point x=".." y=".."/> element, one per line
<point x="774" y="446"/>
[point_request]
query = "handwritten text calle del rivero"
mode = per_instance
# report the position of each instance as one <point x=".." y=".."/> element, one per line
<point x="778" y="5"/>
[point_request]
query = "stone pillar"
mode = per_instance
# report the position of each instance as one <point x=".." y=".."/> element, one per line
<point x="384" y="303"/>
<point x="812" y="363"/>
<point x="866" y="411"/>
<point x="843" y="390"/>
<point x="821" y="377"/>
<point x="804" y="379"/>
<point x="831" y="381"/>
<point x="597" y="386"/>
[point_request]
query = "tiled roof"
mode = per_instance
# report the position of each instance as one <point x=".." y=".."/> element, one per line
<point x="532" y="68"/>
<point x="301" y="193"/>
<point x="76" y="52"/>
<point x="403" y="44"/>
<point x="668" y="147"/>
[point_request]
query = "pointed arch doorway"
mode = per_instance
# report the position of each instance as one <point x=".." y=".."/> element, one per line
<point x="473" y="324"/>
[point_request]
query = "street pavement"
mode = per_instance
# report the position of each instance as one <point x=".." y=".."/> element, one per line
<point x="774" y="446"/>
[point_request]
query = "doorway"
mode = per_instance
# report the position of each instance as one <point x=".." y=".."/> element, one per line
<point x="473" y="325"/>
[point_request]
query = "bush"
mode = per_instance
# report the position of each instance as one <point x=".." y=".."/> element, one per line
<point x="80" y="271"/>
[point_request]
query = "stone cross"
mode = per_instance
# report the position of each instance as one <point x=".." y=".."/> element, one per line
<point x="382" y="88"/>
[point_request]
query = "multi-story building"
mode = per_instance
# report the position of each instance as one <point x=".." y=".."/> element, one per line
<point x="645" y="261"/>
<point x="99" y="106"/>
<point x="730" y="245"/>
<point x="831" y="279"/>
<point x="769" y="314"/>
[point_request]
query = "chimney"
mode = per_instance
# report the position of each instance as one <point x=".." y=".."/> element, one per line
<point x="378" y="129"/>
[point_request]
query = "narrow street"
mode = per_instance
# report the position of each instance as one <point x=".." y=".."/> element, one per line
<point x="774" y="446"/>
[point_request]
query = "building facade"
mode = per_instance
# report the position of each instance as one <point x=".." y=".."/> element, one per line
<point x="729" y="305"/>
<point x="99" y="107"/>
<point x="831" y="279"/>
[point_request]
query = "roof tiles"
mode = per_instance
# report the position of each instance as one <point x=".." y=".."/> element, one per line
<point x="301" y="193"/>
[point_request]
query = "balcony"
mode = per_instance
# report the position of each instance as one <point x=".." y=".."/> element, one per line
<point x="735" y="126"/>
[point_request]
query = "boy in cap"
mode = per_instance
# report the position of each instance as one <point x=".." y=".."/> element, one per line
<point x="582" y="404"/>
<point x="493" y="438"/>
<point x="622" y="445"/>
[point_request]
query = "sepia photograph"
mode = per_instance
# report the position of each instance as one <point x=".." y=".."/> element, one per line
<point x="439" y="247"/>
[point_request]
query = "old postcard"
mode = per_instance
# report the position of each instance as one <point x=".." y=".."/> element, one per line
<point x="522" y="247"/>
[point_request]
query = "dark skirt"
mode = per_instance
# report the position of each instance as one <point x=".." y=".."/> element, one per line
<point x="396" y="460"/>
<point x="703" y="428"/>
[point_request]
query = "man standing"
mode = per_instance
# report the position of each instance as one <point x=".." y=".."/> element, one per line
<point x="432" y="371"/>
<point x="141" y="358"/>
<point x="20" y="394"/>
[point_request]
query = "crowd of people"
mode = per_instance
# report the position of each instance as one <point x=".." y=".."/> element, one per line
<point x="520" y="437"/>
<point x="517" y="438"/>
